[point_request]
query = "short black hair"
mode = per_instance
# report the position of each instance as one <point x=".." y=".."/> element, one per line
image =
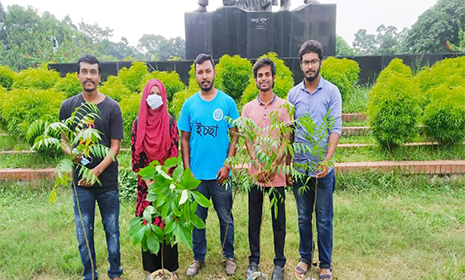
<point x="88" y="58"/>
<point x="264" y="62"/>
<point x="201" y="58"/>
<point x="311" y="46"/>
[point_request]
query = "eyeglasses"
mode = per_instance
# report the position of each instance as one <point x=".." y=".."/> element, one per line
<point x="314" y="62"/>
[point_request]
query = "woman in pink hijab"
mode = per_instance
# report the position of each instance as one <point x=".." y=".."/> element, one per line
<point x="154" y="137"/>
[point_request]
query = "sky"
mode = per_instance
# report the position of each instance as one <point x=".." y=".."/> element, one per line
<point x="132" y="19"/>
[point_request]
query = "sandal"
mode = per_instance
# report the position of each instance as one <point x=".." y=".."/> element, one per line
<point x="299" y="272"/>
<point x="327" y="276"/>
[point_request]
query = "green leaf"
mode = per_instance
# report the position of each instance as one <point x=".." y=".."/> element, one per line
<point x="184" y="196"/>
<point x="53" y="195"/>
<point x="160" y="171"/>
<point x="171" y="162"/>
<point x="183" y="234"/>
<point x="147" y="172"/>
<point x="197" y="222"/>
<point x="153" y="245"/>
<point x="169" y="226"/>
<point x="201" y="199"/>
<point x="177" y="174"/>
<point x="187" y="181"/>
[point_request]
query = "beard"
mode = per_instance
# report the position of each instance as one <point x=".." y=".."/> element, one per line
<point x="265" y="89"/>
<point x="312" y="78"/>
<point x="206" y="88"/>
<point x="89" y="89"/>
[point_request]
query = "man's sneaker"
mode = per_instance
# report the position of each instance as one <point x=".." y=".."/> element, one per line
<point x="194" y="268"/>
<point x="230" y="266"/>
<point x="278" y="273"/>
<point x="253" y="267"/>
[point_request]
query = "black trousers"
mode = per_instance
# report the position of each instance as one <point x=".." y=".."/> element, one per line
<point x="256" y="196"/>
<point x="152" y="262"/>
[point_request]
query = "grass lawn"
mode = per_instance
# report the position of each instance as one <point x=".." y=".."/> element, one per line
<point x="387" y="226"/>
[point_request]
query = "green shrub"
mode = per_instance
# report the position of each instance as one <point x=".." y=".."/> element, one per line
<point x="23" y="106"/>
<point x="132" y="77"/>
<point x="7" y="77"/>
<point x="394" y="109"/>
<point x="282" y="84"/>
<point x="395" y="66"/>
<point x="341" y="72"/>
<point x="233" y="74"/>
<point x="171" y="81"/>
<point x="38" y="78"/>
<point x="69" y="85"/>
<point x="450" y="72"/>
<point x="179" y="97"/>
<point x="444" y="116"/>
<point x="115" y="88"/>
<point x="130" y="109"/>
<point x="127" y="185"/>
<point x="3" y="97"/>
<point x="178" y="100"/>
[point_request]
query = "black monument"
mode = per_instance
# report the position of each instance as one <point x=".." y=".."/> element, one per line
<point x="250" y="34"/>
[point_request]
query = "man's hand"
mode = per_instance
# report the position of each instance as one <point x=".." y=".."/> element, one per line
<point x="85" y="183"/>
<point x="222" y="175"/>
<point x="77" y="158"/>
<point x="323" y="167"/>
<point x="148" y="182"/>
<point x="289" y="180"/>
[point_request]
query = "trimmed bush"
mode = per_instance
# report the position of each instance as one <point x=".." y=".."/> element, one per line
<point x="129" y="109"/>
<point x="70" y="85"/>
<point x="395" y="66"/>
<point x="282" y="84"/>
<point x="444" y="116"/>
<point x="38" y="78"/>
<point x="449" y="72"/>
<point x="178" y="100"/>
<point x="181" y="96"/>
<point x="394" y="108"/>
<point x="132" y="77"/>
<point x="6" y="77"/>
<point x="341" y="72"/>
<point x="233" y="75"/>
<point x="115" y="88"/>
<point x="171" y="81"/>
<point x="23" y="106"/>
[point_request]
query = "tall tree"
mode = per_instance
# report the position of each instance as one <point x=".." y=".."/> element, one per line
<point x="364" y="42"/>
<point x="434" y="27"/>
<point x="342" y="48"/>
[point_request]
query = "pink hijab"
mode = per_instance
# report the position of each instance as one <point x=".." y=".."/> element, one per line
<point x="153" y="128"/>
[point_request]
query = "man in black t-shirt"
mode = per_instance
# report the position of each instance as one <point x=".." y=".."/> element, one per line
<point x="85" y="194"/>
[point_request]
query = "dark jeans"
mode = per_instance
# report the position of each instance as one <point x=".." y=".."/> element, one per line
<point x="256" y="195"/>
<point x="222" y="202"/>
<point x="108" y="203"/>
<point x="152" y="262"/>
<point x="305" y="199"/>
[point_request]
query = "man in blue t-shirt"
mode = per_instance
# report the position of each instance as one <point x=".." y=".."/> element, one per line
<point x="205" y="124"/>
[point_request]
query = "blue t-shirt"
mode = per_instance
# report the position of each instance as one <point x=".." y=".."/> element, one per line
<point x="207" y="122"/>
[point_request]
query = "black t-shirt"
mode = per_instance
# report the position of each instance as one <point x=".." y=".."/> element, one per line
<point x="110" y="124"/>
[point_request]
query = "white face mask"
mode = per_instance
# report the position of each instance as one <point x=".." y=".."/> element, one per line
<point x="154" y="101"/>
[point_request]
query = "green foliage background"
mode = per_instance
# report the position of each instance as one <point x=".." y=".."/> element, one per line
<point x="394" y="106"/>
<point x="341" y="72"/>
<point x="282" y="84"/>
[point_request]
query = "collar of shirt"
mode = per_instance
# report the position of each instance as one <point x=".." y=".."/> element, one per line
<point x="318" y="87"/>
<point x="271" y="102"/>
